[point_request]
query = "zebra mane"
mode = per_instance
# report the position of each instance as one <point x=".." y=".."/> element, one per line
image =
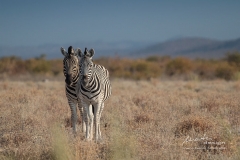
<point x="89" y="53"/>
<point x="70" y="49"/>
<point x="86" y="50"/>
<point x="71" y="52"/>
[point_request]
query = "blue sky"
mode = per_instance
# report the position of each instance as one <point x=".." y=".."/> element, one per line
<point x="29" y="22"/>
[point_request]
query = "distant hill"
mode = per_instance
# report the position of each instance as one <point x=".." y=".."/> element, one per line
<point x="52" y="51"/>
<point x="190" y="47"/>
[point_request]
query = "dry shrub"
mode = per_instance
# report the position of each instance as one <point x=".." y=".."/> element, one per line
<point x="89" y="150"/>
<point x="158" y="59"/>
<point x="178" y="66"/>
<point x="205" y="69"/>
<point x="206" y="137"/>
<point x="233" y="58"/>
<point x="141" y="101"/>
<point x="122" y="144"/>
<point x="60" y="147"/>
<point x="12" y="65"/>
<point x="225" y="71"/>
<point x="193" y="123"/>
<point x="145" y="106"/>
<point x="131" y="69"/>
<point x="201" y="137"/>
<point x="145" y="101"/>
<point x="68" y="121"/>
<point x="142" y="118"/>
<point x="236" y="85"/>
<point x="38" y="66"/>
<point x="191" y="86"/>
<point x="65" y="145"/>
<point x="209" y="105"/>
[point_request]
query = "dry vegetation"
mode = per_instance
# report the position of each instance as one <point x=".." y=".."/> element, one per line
<point x="142" y="120"/>
<point x="227" y="68"/>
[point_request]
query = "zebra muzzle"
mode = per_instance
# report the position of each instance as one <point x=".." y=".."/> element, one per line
<point x="68" y="80"/>
<point x="85" y="80"/>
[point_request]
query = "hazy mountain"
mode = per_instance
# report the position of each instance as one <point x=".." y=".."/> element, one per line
<point x="26" y="52"/>
<point x="53" y="50"/>
<point x="188" y="47"/>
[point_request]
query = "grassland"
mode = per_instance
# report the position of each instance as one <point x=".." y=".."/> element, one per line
<point x="155" y="119"/>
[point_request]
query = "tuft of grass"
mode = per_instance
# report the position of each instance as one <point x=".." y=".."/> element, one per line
<point x="193" y="123"/>
<point x="123" y="144"/>
<point x="61" y="149"/>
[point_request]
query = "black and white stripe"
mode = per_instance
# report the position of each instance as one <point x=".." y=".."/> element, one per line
<point x="71" y="70"/>
<point x="94" y="89"/>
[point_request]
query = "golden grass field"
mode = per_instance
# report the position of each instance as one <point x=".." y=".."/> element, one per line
<point x="142" y="120"/>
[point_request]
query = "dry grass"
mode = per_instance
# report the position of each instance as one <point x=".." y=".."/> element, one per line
<point x="141" y="120"/>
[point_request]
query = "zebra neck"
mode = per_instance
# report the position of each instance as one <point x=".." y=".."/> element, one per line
<point x="71" y="91"/>
<point x="74" y="83"/>
<point x="93" y="88"/>
<point x="75" y="80"/>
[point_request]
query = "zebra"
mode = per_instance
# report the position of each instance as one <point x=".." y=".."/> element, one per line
<point x="71" y="70"/>
<point x="94" y="89"/>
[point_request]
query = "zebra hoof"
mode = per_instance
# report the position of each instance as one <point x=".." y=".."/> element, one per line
<point x="99" y="140"/>
<point x="88" y="139"/>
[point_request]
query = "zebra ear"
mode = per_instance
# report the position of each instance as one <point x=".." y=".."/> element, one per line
<point x="63" y="51"/>
<point x="91" y="51"/>
<point x="78" y="52"/>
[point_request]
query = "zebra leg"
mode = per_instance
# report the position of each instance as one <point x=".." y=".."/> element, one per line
<point x="100" y="113"/>
<point x="97" y="120"/>
<point x="73" y="115"/>
<point x="91" y="117"/>
<point x="80" y="107"/>
<point x="88" y="119"/>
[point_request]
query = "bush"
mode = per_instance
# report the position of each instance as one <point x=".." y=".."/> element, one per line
<point x="233" y="59"/>
<point x="142" y="69"/>
<point x="130" y="68"/>
<point x="12" y="65"/>
<point x="178" y="66"/>
<point x="56" y="67"/>
<point x="158" y="59"/>
<point x="38" y="66"/>
<point x="225" y="71"/>
<point x="117" y="67"/>
<point x="205" y="69"/>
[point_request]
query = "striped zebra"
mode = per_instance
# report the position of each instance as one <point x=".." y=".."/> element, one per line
<point x="71" y="70"/>
<point x="94" y="89"/>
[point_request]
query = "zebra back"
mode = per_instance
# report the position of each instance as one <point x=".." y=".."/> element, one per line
<point x="103" y="75"/>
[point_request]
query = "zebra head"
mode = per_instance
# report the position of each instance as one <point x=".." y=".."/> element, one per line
<point x="86" y="66"/>
<point x="71" y="64"/>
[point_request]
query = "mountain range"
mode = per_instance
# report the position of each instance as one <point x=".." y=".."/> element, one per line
<point x="191" y="47"/>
